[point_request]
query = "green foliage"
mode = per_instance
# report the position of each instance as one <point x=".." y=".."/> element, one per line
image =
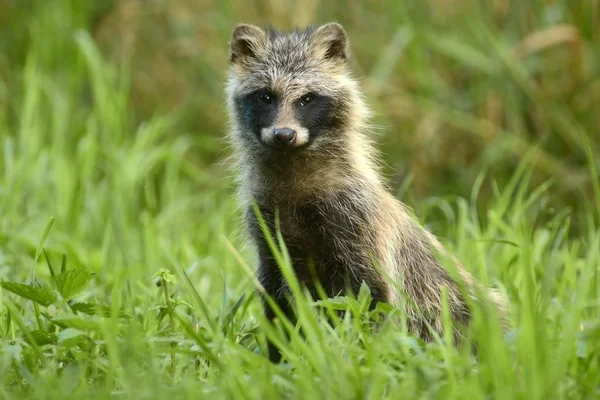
<point x="70" y="283"/>
<point x="123" y="273"/>
<point x="35" y="291"/>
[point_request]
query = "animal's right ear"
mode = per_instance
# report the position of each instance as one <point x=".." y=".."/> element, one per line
<point x="247" y="41"/>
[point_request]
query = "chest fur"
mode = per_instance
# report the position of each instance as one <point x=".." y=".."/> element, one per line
<point x="302" y="225"/>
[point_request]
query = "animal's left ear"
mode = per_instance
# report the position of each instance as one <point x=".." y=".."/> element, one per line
<point x="331" y="40"/>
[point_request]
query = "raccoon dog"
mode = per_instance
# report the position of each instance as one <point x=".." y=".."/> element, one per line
<point x="298" y="124"/>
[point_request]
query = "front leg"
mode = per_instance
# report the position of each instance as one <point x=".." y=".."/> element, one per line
<point x="344" y="232"/>
<point x="272" y="281"/>
<point x="269" y="274"/>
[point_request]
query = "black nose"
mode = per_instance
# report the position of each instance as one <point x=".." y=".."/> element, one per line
<point x="284" y="137"/>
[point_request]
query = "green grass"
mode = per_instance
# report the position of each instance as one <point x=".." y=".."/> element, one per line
<point x="123" y="266"/>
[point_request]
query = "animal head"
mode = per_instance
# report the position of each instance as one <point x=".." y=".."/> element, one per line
<point x="291" y="92"/>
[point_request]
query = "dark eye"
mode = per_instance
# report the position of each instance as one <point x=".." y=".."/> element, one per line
<point x="307" y="99"/>
<point x="266" y="98"/>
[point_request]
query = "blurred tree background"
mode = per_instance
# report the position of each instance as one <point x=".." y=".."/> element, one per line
<point x="458" y="86"/>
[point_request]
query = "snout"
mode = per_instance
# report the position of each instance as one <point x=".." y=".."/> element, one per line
<point x="284" y="137"/>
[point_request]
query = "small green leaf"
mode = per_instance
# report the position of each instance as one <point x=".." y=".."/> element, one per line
<point x="335" y="303"/>
<point x="385" y="308"/>
<point x="36" y="291"/>
<point x="69" y="333"/>
<point x="85" y="308"/>
<point x="43" y="337"/>
<point x="364" y="294"/>
<point x="73" y="337"/>
<point x="166" y="276"/>
<point x="102" y="310"/>
<point x="71" y="283"/>
<point x="75" y="321"/>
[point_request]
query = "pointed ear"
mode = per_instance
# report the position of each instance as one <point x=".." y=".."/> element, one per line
<point x="331" y="41"/>
<point x="246" y="42"/>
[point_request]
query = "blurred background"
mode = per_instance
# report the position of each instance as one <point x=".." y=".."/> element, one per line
<point x="99" y="98"/>
<point x="458" y="86"/>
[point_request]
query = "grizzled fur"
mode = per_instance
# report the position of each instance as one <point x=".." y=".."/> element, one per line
<point x="333" y="206"/>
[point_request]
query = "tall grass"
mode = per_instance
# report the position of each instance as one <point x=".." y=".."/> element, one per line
<point x="124" y="273"/>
